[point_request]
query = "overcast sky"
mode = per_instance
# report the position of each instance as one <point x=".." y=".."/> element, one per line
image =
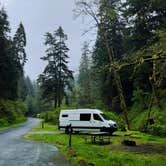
<point x="41" y="16"/>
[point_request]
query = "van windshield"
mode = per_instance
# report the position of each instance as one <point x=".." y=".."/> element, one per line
<point x="104" y="117"/>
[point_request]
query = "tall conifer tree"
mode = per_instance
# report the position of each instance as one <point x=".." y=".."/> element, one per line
<point x="20" y="43"/>
<point x="56" y="76"/>
<point x="84" y="79"/>
<point x="5" y="58"/>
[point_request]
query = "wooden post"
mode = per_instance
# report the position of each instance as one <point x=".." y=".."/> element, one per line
<point x="70" y="133"/>
<point x="42" y="124"/>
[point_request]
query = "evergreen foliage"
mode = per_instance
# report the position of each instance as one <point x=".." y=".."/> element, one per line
<point x="84" y="78"/>
<point x="20" y="43"/>
<point x="56" y="78"/>
<point x="12" y="58"/>
<point x="11" y="112"/>
<point x="133" y="33"/>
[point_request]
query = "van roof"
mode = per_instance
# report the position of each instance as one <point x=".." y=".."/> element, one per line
<point x="83" y="110"/>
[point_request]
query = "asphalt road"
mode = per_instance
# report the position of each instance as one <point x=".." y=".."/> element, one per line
<point x="16" y="151"/>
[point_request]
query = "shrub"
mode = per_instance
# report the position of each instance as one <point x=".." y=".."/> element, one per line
<point x="116" y="118"/>
<point x="157" y="129"/>
<point x="51" y="116"/>
<point x="11" y="112"/>
<point x="4" y="122"/>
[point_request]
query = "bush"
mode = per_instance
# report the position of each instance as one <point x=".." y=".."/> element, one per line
<point x="116" y="118"/>
<point x="159" y="130"/>
<point x="138" y="120"/>
<point x="51" y="116"/>
<point x="11" y="112"/>
<point x="4" y="122"/>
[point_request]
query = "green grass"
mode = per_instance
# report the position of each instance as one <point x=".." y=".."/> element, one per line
<point x="13" y="125"/>
<point x="47" y="127"/>
<point x="140" y="137"/>
<point x="114" y="154"/>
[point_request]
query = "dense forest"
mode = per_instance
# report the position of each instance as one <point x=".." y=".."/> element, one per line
<point x="12" y="60"/>
<point x="19" y="96"/>
<point x="123" y="74"/>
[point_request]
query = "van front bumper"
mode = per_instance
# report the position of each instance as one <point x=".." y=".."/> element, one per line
<point x="110" y="129"/>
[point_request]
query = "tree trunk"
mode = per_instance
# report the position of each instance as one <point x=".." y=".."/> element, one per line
<point x="118" y="82"/>
<point x="122" y="98"/>
<point x="149" y="112"/>
<point x="67" y="100"/>
<point x="55" y="103"/>
<point x="154" y="85"/>
<point x="60" y="70"/>
<point x="59" y="102"/>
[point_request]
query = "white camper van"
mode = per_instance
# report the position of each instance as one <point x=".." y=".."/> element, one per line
<point x="85" y="120"/>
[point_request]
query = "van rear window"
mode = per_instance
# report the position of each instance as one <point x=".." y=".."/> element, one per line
<point x="64" y="115"/>
<point x="85" y="117"/>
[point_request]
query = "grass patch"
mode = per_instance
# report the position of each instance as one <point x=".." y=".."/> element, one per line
<point x="140" y="137"/>
<point x="114" y="154"/>
<point x="13" y="125"/>
<point x="46" y="127"/>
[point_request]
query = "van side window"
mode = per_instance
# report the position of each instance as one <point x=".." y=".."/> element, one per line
<point x="85" y="117"/>
<point x="97" y="117"/>
<point x="64" y="115"/>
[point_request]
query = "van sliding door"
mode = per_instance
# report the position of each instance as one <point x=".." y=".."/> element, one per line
<point x="85" y="121"/>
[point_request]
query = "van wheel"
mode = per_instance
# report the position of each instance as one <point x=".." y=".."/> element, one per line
<point x="110" y="133"/>
<point x="77" y="132"/>
<point x="103" y="129"/>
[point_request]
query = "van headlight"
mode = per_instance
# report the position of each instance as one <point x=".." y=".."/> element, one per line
<point x="113" y="125"/>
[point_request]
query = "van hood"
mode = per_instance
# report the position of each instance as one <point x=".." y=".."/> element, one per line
<point x="112" y="123"/>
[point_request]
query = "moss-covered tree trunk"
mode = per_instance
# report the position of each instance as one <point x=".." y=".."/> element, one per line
<point x="117" y="80"/>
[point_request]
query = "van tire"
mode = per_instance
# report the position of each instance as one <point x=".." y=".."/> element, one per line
<point x="103" y="129"/>
<point x="77" y="132"/>
<point x="110" y="133"/>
